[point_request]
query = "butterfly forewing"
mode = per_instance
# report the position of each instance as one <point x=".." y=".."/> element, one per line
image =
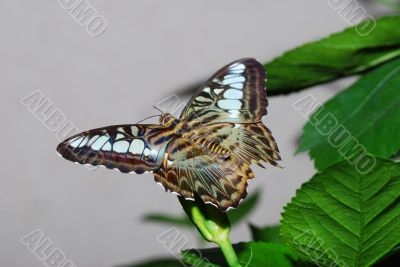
<point x="128" y="148"/>
<point x="236" y="93"/>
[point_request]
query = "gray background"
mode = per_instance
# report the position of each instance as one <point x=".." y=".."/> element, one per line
<point x="150" y="50"/>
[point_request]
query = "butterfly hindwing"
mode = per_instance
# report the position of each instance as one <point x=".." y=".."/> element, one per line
<point x="214" y="161"/>
<point x="190" y="169"/>
<point x="236" y="93"/>
<point x="250" y="142"/>
<point x="128" y="148"/>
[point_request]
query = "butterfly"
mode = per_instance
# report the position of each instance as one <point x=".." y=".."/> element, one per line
<point x="206" y="152"/>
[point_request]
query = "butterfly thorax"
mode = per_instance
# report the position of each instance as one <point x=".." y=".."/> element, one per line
<point x="174" y="126"/>
<point x="168" y="120"/>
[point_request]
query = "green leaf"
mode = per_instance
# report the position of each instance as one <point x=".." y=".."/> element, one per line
<point x="211" y="257"/>
<point x="266" y="234"/>
<point x="267" y="254"/>
<point x="363" y="119"/>
<point x="336" y="56"/>
<point x="255" y="254"/>
<point x="235" y="215"/>
<point x="390" y="260"/>
<point x="182" y="220"/>
<point x="344" y="218"/>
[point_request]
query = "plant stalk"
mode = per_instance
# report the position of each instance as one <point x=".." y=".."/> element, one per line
<point x="229" y="253"/>
<point x="213" y="225"/>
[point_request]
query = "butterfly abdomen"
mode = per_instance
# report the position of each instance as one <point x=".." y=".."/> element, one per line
<point x="212" y="146"/>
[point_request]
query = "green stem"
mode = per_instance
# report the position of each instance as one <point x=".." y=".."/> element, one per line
<point x="229" y="253"/>
<point x="213" y="225"/>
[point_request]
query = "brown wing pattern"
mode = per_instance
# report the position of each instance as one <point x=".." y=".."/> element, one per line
<point x="236" y="93"/>
<point x="128" y="148"/>
<point x="251" y="143"/>
<point x="214" y="161"/>
<point x="190" y="168"/>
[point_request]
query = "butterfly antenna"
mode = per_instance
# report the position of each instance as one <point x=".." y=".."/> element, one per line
<point x="148" y="118"/>
<point x="162" y="112"/>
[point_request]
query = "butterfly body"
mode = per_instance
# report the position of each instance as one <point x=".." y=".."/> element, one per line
<point x="207" y="151"/>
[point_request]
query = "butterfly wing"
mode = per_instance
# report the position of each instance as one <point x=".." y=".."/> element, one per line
<point x="235" y="93"/>
<point x="189" y="168"/>
<point x="249" y="142"/>
<point x="214" y="161"/>
<point x="225" y="136"/>
<point x="128" y="148"/>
